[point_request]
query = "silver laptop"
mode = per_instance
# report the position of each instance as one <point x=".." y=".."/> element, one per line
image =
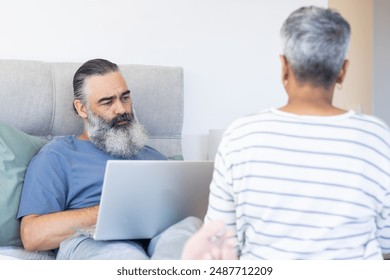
<point x="140" y="199"/>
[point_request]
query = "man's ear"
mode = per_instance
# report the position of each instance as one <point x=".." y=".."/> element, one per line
<point x="343" y="72"/>
<point x="285" y="73"/>
<point x="80" y="108"/>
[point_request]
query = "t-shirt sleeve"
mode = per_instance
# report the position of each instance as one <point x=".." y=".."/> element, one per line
<point x="384" y="227"/>
<point x="45" y="185"/>
<point x="221" y="199"/>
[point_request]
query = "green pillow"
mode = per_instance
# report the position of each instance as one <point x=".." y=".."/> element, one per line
<point x="16" y="150"/>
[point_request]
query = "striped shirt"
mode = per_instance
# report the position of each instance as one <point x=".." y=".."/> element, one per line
<point x="304" y="187"/>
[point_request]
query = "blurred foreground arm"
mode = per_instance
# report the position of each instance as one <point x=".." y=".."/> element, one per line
<point x="212" y="242"/>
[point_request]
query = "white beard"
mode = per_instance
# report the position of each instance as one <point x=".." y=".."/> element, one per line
<point x="122" y="141"/>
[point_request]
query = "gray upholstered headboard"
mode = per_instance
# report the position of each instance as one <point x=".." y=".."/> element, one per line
<point x="36" y="97"/>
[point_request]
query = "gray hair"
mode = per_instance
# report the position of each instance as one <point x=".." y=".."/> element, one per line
<point x="315" y="44"/>
<point x="90" y="68"/>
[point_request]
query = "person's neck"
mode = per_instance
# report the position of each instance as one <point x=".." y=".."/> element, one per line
<point x="84" y="136"/>
<point x="310" y="100"/>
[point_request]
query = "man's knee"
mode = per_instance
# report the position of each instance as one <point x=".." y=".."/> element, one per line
<point x="169" y="243"/>
<point x="190" y="224"/>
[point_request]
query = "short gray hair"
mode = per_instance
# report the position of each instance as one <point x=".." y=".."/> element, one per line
<point x="315" y="43"/>
<point x="90" y="68"/>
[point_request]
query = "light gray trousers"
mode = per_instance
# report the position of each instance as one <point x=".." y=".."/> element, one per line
<point x="168" y="245"/>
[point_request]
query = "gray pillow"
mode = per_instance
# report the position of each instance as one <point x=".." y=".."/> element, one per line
<point x="16" y="150"/>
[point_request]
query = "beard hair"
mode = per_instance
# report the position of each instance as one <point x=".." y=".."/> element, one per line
<point x="122" y="141"/>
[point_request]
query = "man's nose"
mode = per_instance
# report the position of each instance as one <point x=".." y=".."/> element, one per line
<point x="119" y="108"/>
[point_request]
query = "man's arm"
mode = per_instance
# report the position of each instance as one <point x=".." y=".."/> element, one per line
<point x="46" y="232"/>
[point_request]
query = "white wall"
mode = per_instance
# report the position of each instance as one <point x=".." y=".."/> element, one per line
<point x="356" y="92"/>
<point x="228" y="48"/>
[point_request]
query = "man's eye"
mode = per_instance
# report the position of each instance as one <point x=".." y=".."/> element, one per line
<point x="126" y="98"/>
<point x="107" y="103"/>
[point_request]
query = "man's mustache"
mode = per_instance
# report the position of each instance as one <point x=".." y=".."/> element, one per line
<point x="128" y="117"/>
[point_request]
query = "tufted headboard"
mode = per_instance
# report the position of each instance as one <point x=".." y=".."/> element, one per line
<point x="36" y="97"/>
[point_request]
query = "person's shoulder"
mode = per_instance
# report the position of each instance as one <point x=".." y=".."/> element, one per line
<point x="57" y="149"/>
<point x="149" y="153"/>
<point x="371" y="121"/>
<point x="53" y="153"/>
<point x="58" y="144"/>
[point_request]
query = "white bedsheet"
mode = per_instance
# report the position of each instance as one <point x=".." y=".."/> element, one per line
<point x="11" y="252"/>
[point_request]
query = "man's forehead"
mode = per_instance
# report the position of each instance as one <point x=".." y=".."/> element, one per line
<point x="107" y="84"/>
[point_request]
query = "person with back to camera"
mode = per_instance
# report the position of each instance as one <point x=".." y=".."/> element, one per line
<point x="307" y="180"/>
<point x="63" y="182"/>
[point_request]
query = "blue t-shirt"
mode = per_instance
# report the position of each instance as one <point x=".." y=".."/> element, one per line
<point x="68" y="174"/>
